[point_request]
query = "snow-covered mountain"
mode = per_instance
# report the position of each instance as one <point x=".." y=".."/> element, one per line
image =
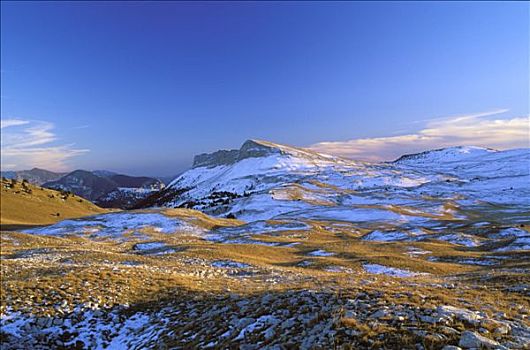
<point x="444" y="155"/>
<point x="263" y="180"/>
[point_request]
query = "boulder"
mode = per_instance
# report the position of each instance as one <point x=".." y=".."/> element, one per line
<point x="465" y="315"/>
<point x="474" y="340"/>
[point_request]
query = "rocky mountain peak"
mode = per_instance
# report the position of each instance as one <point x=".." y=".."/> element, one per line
<point x="251" y="149"/>
<point x="221" y="157"/>
<point x="258" y="148"/>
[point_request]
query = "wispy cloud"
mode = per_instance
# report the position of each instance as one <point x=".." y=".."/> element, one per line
<point x="26" y="144"/>
<point x="5" y="123"/>
<point x="84" y="126"/>
<point x="467" y="130"/>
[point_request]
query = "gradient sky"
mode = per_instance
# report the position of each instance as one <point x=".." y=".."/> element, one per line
<point x="142" y="87"/>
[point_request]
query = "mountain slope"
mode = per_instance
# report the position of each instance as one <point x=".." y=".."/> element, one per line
<point x="83" y="183"/>
<point x="26" y="204"/>
<point x="222" y="176"/>
<point x="135" y="181"/>
<point x="256" y="149"/>
<point x="443" y="155"/>
<point x="107" y="189"/>
<point x="263" y="180"/>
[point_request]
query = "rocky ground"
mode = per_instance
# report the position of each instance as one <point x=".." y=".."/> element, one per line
<point x="312" y="286"/>
<point x="292" y="319"/>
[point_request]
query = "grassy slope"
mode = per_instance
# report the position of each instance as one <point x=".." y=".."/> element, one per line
<point x="106" y="265"/>
<point x="39" y="206"/>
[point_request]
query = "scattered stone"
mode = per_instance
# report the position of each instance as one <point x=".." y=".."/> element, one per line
<point x="461" y="314"/>
<point x="379" y="314"/>
<point x="471" y="339"/>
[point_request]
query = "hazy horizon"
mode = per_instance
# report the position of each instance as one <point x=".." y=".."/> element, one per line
<point x="315" y="148"/>
<point x="140" y="88"/>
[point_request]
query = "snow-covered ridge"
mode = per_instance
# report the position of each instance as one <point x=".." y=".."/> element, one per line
<point x="264" y="180"/>
<point x="449" y="154"/>
<point x="253" y="149"/>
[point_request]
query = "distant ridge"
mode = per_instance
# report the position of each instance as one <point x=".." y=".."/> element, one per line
<point x="34" y="176"/>
<point x="447" y="154"/>
<point x="107" y="189"/>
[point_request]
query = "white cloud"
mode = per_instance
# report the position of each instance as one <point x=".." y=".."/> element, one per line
<point x="12" y="122"/>
<point x="468" y="130"/>
<point x="26" y="144"/>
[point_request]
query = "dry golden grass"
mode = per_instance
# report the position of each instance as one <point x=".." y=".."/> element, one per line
<point x="200" y="219"/>
<point x="78" y="269"/>
<point x="296" y="192"/>
<point x="331" y="187"/>
<point x="25" y="204"/>
<point x="97" y="267"/>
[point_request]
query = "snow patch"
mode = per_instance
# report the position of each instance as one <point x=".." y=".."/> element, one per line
<point x="520" y="243"/>
<point x="113" y="225"/>
<point x="460" y="239"/>
<point x="390" y="271"/>
<point x="387" y="236"/>
<point x="149" y="246"/>
<point x="320" y="252"/>
<point x="229" y="264"/>
<point x="243" y="234"/>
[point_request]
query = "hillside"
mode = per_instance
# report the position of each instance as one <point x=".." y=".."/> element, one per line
<point x="270" y="246"/>
<point x="34" y="176"/>
<point x="107" y="189"/>
<point x="443" y="155"/>
<point x="83" y="183"/>
<point x="26" y="204"/>
<point x="267" y="181"/>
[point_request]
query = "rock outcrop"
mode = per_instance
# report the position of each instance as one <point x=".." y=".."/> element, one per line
<point x="251" y="149"/>
<point x="222" y="157"/>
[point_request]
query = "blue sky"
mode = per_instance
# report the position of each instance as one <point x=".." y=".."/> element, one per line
<point x="142" y="87"/>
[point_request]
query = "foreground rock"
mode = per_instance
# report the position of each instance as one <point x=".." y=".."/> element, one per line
<point x="474" y="340"/>
<point x="299" y="319"/>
